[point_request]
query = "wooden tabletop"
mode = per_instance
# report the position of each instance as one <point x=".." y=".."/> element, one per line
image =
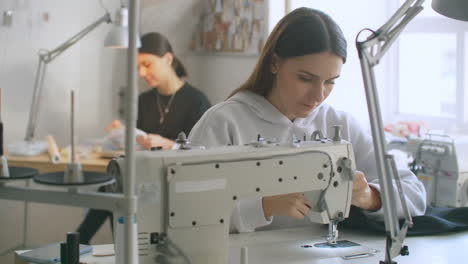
<point x="42" y="162"/>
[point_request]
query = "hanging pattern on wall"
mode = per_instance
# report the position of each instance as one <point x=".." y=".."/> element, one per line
<point x="230" y="26"/>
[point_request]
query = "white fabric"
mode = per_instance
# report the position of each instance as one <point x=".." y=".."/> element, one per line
<point x="27" y="148"/>
<point x="241" y="118"/>
<point x="115" y="139"/>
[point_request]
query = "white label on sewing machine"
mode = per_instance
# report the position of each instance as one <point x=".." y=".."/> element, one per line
<point x="149" y="192"/>
<point x="200" y="186"/>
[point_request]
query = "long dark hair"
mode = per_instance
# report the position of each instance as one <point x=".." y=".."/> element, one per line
<point x="304" y="31"/>
<point x="157" y="44"/>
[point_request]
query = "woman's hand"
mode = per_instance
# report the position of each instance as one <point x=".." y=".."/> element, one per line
<point x="293" y="204"/>
<point x="364" y="195"/>
<point x="115" y="124"/>
<point x="154" y="140"/>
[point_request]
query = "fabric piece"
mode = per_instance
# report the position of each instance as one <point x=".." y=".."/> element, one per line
<point x="436" y="220"/>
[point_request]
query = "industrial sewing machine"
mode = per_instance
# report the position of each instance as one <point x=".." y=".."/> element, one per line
<point x="186" y="195"/>
<point x="441" y="163"/>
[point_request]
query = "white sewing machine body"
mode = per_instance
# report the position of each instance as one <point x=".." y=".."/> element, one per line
<point x="188" y="195"/>
<point x="441" y="163"/>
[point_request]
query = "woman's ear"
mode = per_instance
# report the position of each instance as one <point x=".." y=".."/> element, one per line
<point x="168" y="58"/>
<point x="275" y="63"/>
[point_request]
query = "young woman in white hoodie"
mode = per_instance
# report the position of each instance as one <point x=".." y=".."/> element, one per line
<point x="282" y="98"/>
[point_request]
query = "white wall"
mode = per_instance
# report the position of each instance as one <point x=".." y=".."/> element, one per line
<point x="221" y="74"/>
<point x="87" y="67"/>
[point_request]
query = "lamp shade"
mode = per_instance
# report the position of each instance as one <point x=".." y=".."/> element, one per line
<point x="456" y="9"/>
<point x="117" y="38"/>
<point x="118" y="35"/>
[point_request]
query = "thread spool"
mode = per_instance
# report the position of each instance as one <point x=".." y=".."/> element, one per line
<point x="4" y="172"/>
<point x="52" y="149"/>
<point x="73" y="248"/>
<point x="244" y="256"/>
<point x="63" y="253"/>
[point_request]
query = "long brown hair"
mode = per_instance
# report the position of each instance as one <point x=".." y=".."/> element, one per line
<point x="303" y="31"/>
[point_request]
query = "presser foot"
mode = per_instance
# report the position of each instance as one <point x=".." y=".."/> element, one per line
<point x="332" y="232"/>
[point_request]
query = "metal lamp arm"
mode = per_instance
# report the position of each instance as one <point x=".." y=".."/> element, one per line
<point x="404" y="10"/>
<point x="44" y="58"/>
<point x="380" y="41"/>
<point x="385" y="36"/>
<point x="37" y="91"/>
<point x="51" y="55"/>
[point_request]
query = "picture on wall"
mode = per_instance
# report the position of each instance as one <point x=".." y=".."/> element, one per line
<point x="230" y="26"/>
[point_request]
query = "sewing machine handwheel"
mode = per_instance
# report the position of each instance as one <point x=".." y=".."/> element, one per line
<point x="113" y="169"/>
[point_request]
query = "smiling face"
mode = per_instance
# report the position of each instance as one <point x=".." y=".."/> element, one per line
<point x="154" y="69"/>
<point x="303" y="83"/>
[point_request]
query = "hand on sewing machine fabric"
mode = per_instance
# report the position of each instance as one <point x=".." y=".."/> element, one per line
<point x="364" y="195"/>
<point x="293" y="204"/>
<point x="154" y="140"/>
<point x="115" y="124"/>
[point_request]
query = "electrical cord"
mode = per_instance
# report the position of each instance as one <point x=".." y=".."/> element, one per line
<point x="356" y="41"/>
<point x="361" y="31"/>
<point x="169" y="249"/>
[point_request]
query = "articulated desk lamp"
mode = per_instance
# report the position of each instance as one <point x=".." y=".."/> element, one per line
<point x="73" y="174"/>
<point x="116" y="38"/>
<point x="370" y="52"/>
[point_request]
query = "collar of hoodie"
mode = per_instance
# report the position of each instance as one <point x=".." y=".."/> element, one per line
<point x="266" y="111"/>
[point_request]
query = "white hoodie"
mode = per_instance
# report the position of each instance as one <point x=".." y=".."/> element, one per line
<point x="244" y="116"/>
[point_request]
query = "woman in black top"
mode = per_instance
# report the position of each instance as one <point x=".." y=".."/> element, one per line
<point x="170" y="107"/>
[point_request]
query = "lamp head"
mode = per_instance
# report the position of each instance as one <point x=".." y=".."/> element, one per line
<point x="456" y="9"/>
<point x="118" y="35"/>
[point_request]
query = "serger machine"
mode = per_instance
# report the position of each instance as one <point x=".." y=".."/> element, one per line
<point x="441" y="164"/>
